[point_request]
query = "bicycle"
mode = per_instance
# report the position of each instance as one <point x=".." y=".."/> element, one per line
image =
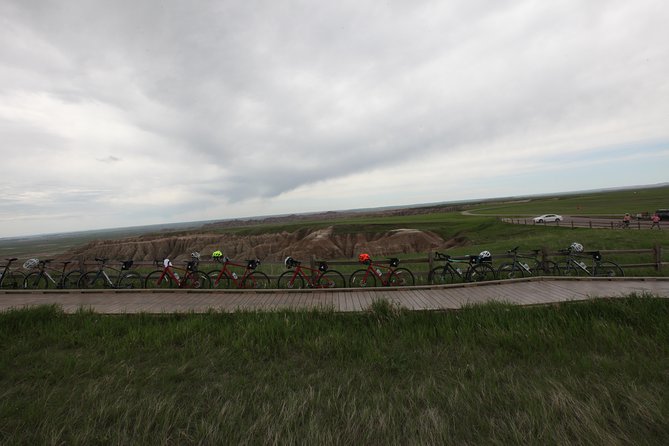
<point x="225" y="278"/>
<point x="394" y="276"/>
<point x="121" y="278"/>
<point x="321" y="277"/>
<point x="168" y="276"/>
<point x="11" y="280"/>
<point x="575" y="267"/>
<point x="479" y="269"/>
<point x="41" y="279"/>
<point x="516" y="268"/>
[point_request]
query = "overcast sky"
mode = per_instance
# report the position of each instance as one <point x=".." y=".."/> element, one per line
<point x="126" y="112"/>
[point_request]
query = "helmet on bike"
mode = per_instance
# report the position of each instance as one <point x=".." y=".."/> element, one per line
<point x="216" y="254"/>
<point x="485" y="254"/>
<point x="576" y="247"/>
<point x="30" y="263"/>
<point x="289" y="262"/>
<point x="195" y="255"/>
<point x="364" y="258"/>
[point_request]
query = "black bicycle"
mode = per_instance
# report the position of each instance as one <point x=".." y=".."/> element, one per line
<point x="574" y="266"/>
<point x="118" y="278"/>
<point x="42" y="278"/>
<point x="477" y="268"/>
<point x="11" y="280"/>
<point x="516" y="268"/>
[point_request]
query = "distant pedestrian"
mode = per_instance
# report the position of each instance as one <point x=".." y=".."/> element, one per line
<point x="626" y="221"/>
<point x="656" y="222"/>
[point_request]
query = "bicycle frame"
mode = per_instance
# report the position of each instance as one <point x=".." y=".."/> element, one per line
<point x="33" y="279"/>
<point x="392" y="276"/>
<point x="232" y="275"/>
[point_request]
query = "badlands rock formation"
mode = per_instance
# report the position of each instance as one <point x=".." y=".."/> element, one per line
<point x="302" y="244"/>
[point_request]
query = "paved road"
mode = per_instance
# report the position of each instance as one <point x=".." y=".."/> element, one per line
<point x="585" y="222"/>
<point x="522" y="292"/>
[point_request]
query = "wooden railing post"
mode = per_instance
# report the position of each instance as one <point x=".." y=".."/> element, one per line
<point x="430" y="262"/>
<point x="657" y="250"/>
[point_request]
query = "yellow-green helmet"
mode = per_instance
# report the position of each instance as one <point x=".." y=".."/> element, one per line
<point x="216" y="254"/>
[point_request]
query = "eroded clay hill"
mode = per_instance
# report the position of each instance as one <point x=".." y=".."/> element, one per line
<point x="302" y="244"/>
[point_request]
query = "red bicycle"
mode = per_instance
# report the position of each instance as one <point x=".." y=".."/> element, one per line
<point x="225" y="278"/>
<point x="323" y="277"/>
<point x="393" y="276"/>
<point x="168" y="277"/>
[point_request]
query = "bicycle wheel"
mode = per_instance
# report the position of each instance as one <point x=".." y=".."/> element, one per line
<point x="547" y="268"/>
<point x="362" y="279"/>
<point x="153" y="280"/>
<point x="401" y="277"/>
<point x="510" y="271"/>
<point x="256" y="280"/>
<point x="92" y="280"/>
<point x="71" y="279"/>
<point x="221" y="284"/>
<point x="481" y="273"/>
<point x="331" y="279"/>
<point x="36" y="281"/>
<point x="12" y="280"/>
<point x="608" y="269"/>
<point x="440" y="275"/>
<point x="131" y="281"/>
<point x="287" y="282"/>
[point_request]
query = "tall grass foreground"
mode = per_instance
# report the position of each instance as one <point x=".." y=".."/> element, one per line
<point x="575" y="373"/>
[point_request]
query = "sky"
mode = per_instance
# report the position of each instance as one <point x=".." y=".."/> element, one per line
<point x="126" y="113"/>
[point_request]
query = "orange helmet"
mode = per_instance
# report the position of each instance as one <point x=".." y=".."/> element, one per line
<point x="362" y="258"/>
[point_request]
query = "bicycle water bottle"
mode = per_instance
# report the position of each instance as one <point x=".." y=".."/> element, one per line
<point x="582" y="265"/>
<point x="378" y="271"/>
<point x="458" y="270"/>
<point x="234" y="275"/>
<point x="526" y="266"/>
<point x="176" y="274"/>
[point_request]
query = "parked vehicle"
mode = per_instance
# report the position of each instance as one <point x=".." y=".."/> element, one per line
<point x="546" y="218"/>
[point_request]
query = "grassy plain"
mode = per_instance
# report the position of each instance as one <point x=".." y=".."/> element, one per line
<point x="574" y="373"/>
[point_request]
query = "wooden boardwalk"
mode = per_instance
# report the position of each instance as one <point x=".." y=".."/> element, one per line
<point x="522" y="292"/>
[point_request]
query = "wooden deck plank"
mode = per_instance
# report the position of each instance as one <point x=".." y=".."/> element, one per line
<point x="534" y="291"/>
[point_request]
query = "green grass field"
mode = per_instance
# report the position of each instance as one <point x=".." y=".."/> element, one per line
<point x="574" y="373"/>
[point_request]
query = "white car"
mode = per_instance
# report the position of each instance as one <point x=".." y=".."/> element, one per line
<point x="547" y="218"/>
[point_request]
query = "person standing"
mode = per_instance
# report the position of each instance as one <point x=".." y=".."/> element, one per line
<point x="626" y="221"/>
<point x="656" y="221"/>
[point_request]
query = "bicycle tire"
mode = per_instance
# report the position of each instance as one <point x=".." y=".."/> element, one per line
<point x="71" y="280"/>
<point x="441" y="275"/>
<point x="331" y="279"/>
<point x="196" y="280"/>
<point x="12" y="280"/>
<point x="401" y="277"/>
<point x="130" y="281"/>
<point x="36" y="281"/>
<point x="510" y="271"/>
<point x="547" y="268"/>
<point x="151" y="280"/>
<point x="223" y="282"/>
<point x="608" y="269"/>
<point x="362" y="278"/>
<point x="286" y="282"/>
<point x="92" y="280"/>
<point x="481" y="273"/>
<point x="256" y="280"/>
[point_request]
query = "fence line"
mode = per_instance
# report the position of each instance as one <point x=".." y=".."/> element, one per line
<point x="590" y="224"/>
<point x="655" y="254"/>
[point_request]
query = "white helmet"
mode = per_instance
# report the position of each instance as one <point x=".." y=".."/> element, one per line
<point x="195" y="255"/>
<point x="30" y="263"/>
<point x="576" y="247"/>
<point x="485" y="254"/>
<point x="288" y="262"/>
